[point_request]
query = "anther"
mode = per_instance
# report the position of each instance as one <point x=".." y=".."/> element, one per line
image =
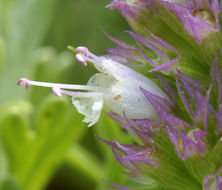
<point x="24" y="81"/>
<point x="83" y="50"/>
<point x="81" y="59"/>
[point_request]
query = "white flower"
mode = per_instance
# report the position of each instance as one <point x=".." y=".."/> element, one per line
<point x="117" y="87"/>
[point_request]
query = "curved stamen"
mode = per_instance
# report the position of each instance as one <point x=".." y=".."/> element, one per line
<point x="27" y="83"/>
<point x="24" y="81"/>
<point x="85" y="52"/>
<point x="83" y="55"/>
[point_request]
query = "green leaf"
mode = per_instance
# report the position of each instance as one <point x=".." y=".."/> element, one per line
<point x="35" y="152"/>
<point x="9" y="184"/>
<point x="3" y="165"/>
<point x="47" y="65"/>
<point x="1" y="53"/>
<point x="14" y="134"/>
<point x="86" y="162"/>
<point x="23" y="27"/>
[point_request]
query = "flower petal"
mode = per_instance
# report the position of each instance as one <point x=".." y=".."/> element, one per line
<point x="90" y="107"/>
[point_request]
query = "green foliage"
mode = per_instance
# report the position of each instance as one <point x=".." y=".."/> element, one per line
<point x="34" y="144"/>
<point x="7" y="181"/>
<point x="1" y="54"/>
<point x="85" y="161"/>
<point x="44" y="60"/>
<point x="23" y="25"/>
<point x="35" y="151"/>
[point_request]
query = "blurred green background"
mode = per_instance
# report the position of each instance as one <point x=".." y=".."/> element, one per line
<point x="43" y="143"/>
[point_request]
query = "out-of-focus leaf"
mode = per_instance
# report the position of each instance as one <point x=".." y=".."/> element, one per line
<point x="3" y="165"/>
<point x="34" y="154"/>
<point x="81" y="159"/>
<point x="23" y="27"/>
<point x="7" y="179"/>
<point x="14" y="134"/>
<point x="9" y="184"/>
<point x="70" y="26"/>
<point x="47" y="66"/>
<point x="1" y="54"/>
<point x="15" y="108"/>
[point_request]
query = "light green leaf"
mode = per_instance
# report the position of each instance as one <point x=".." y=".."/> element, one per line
<point x="35" y="152"/>
<point x="47" y="65"/>
<point x="9" y="184"/>
<point x="1" y="53"/>
<point x="23" y="25"/>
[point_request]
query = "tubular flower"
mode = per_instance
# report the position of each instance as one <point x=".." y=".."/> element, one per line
<point x="117" y="87"/>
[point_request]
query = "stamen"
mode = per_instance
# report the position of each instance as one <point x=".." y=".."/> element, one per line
<point x="27" y="83"/>
<point x="85" y="52"/>
<point x="83" y="55"/>
<point x="81" y="94"/>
